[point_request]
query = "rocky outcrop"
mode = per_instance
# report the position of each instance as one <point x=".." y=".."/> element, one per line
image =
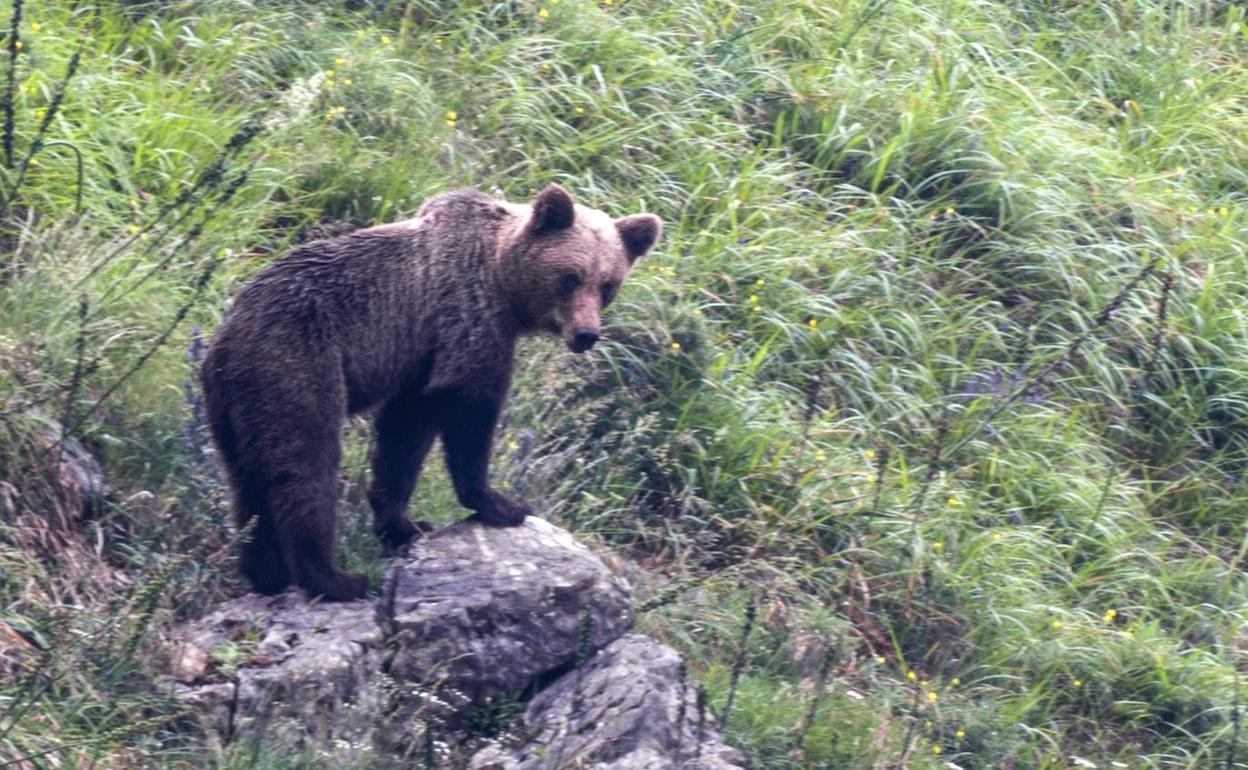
<point x="474" y="616"/>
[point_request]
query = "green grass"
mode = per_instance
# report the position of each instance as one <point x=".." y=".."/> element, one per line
<point x="899" y="373"/>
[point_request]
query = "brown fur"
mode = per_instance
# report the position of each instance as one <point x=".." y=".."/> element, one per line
<point x="417" y="320"/>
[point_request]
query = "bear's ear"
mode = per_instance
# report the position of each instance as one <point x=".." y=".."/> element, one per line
<point x="552" y="210"/>
<point x="639" y="233"/>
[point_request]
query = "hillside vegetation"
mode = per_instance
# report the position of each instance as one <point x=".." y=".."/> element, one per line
<point x="925" y="430"/>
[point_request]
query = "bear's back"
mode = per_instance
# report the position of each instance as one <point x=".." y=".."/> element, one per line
<point x="381" y="303"/>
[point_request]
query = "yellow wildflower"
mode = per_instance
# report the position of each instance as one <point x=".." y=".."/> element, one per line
<point x="35" y="26"/>
<point x="936" y="750"/>
<point x="132" y="229"/>
<point x="40" y="112"/>
<point x="911" y="676"/>
<point x="339" y="61"/>
<point x="329" y="74"/>
<point x="879" y="659"/>
<point x="753" y="299"/>
<point x="1224" y="211"/>
<point x="33" y="162"/>
<point x="452" y="115"/>
<point x="347" y="81"/>
<point x="1180" y="170"/>
<point x="675" y="346"/>
<point x="437" y="41"/>
<point x="580" y="110"/>
<point x="949" y="211"/>
<point x="960" y="734"/>
<point x="760" y="282"/>
<point x="1109" y="616"/>
<point x="938" y="546"/>
<point x="1056" y="625"/>
<point x="20" y="45"/>
<point x="758" y="308"/>
<point x="932" y="696"/>
<point x="955" y="682"/>
<point x="869" y="454"/>
<point x="543" y="14"/>
<point x="813" y="323"/>
<point x="1076" y="683"/>
<point x="385" y="40"/>
<point x="955" y="502"/>
<point x="608" y="3"/>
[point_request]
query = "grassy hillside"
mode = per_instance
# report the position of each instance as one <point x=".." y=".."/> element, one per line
<point x="926" y="427"/>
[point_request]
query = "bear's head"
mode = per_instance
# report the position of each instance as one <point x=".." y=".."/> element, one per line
<point x="562" y="263"/>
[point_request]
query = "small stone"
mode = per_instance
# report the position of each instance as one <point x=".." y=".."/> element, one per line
<point x="190" y="663"/>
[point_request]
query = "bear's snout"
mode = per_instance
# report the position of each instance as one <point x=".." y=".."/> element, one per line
<point x="583" y="340"/>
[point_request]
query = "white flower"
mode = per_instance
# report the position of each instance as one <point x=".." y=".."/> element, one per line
<point x="296" y="102"/>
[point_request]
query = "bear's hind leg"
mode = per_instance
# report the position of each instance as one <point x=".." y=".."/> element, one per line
<point x="261" y="558"/>
<point x="303" y="498"/>
<point x="260" y="555"/>
<point x="405" y="429"/>
<point x="305" y="523"/>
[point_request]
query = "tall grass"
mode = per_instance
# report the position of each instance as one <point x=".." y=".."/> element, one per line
<point x="924" y="425"/>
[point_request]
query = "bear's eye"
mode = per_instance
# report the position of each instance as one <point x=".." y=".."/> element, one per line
<point x="608" y="292"/>
<point x="568" y="283"/>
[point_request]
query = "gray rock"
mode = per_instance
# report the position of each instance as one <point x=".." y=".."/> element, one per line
<point x="472" y="614"/>
<point x="629" y="708"/>
<point x="485" y="611"/>
<point x="281" y="665"/>
<point x="79" y="477"/>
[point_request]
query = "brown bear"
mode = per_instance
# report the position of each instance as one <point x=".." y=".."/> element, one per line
<point x="418" y="320"/>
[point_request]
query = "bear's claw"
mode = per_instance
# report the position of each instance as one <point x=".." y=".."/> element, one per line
<point x="338" y="587"/>
<point x="501" y="511"/>
<point x="396" y="535"/>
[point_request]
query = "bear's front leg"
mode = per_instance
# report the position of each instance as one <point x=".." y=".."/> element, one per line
<point x="405" y="429"/>
<point x="467" y="434"/>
